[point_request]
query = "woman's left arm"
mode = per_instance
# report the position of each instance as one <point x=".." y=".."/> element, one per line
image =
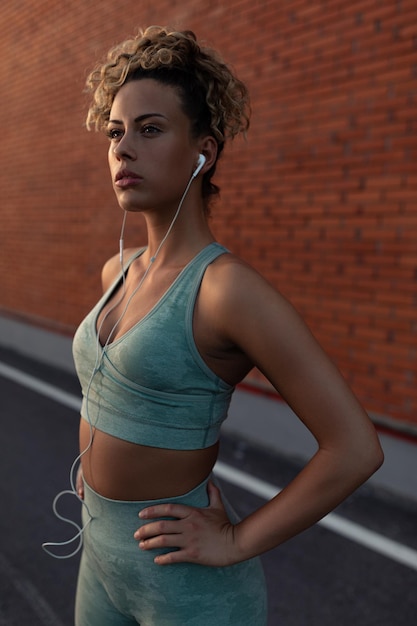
<point x="271" y="332"/>
<point x="251" y="315"/>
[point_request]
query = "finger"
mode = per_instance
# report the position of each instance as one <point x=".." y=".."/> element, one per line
<point x="169" y="558"/>
<point x="80" y="487"/>
<point x="215" y="499"/>
<point x="162" y="541"/>
<point x="154" y="529"/>
<point x="165" y="510"/>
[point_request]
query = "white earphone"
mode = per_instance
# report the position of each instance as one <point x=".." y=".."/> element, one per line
<point x="200" y="164"/>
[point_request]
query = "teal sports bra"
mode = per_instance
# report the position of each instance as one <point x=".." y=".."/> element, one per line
<point x="151" y="386"/>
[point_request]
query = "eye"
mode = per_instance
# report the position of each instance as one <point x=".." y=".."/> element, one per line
<point x="114" y="133"/>
<point x="150" y="129"/>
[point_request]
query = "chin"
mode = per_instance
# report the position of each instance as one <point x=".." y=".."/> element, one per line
<point x="130" y="208"/>
<point x="129" y="204"/>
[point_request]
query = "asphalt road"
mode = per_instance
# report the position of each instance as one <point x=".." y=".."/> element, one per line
<point x="320" y="578"/>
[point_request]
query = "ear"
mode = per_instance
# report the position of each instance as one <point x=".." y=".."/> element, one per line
<point x="208" y="147"/>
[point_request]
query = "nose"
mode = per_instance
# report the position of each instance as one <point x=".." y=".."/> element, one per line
<point x="124" y="148"/>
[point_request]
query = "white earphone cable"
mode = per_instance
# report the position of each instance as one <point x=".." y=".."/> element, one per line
<point x="100" y="353"/>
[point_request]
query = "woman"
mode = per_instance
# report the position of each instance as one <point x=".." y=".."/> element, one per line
<point x="181" y="322"/>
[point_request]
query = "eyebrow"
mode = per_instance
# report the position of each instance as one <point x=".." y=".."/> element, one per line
<point x="140" y="118"/>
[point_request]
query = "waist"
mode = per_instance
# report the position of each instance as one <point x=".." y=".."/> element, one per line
<point x="114" y="522"/>
<point x="123" y="515"/>
<point x="122" y="470"/>
<point x="101" y="505"/>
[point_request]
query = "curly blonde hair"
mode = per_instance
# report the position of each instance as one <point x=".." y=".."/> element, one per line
<point x="213" y="98"/>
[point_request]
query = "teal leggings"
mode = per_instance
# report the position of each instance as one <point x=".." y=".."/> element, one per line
<point x="120" y="585"/>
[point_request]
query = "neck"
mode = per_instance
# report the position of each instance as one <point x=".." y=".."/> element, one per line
<point x="179" y="231"/>
<point x="189" y="234"/>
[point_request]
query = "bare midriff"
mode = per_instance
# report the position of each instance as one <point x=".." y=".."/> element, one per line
<point x="122" y="470"/>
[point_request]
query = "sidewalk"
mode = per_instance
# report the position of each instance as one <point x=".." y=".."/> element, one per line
<point x="257" y="418"/>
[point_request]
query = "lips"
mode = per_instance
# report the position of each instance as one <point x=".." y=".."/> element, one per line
<point x="126" y="178"/>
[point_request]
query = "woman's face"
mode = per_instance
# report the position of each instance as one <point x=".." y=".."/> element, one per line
<point x="152" y="154"/>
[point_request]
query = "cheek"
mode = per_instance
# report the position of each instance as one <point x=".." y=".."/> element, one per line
<point x="181" y="164"/>
<point x="112" y="162"/>
<point x="110" y="156"/>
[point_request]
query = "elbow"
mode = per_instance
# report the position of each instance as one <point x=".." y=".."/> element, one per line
<point x="371" y="458"/>
<point x="378" y="457"/>
<point x="362" y="457"/>
<point x="375" y="462"/>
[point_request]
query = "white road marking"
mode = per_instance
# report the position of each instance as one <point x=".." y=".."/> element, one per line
<point x="44" y="389"/>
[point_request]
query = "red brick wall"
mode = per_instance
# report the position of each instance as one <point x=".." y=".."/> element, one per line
<point x="321" y="198"/>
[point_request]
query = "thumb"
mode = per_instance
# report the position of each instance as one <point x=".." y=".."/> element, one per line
<point x="215" y="499"/>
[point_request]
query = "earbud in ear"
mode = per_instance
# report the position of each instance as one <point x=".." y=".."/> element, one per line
<point x="200" y="164"/>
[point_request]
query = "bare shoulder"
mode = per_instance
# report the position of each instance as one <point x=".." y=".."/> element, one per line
<point x="227" y="268"/>
<point x="230" y="281"/>
<point x="111" y="268"/>
<point x="243" y="307"/>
